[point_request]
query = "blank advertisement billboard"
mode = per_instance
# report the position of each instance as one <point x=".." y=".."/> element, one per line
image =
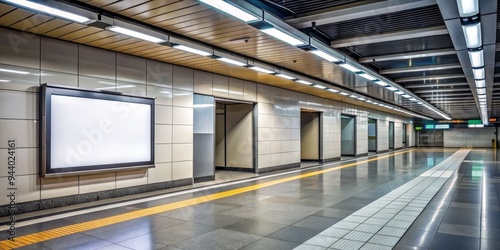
<point x="87" y="131"/>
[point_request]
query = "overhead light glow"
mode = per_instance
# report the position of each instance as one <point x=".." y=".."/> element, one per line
<point x="406" y="96"/>
<point x="381" y="83"/>
<point x="476" y="58"/>
<point x="231" y="61"/>
<point x="467" y="8"/>
<point x="304" y="82"/>
<point x="481" y="91"/>
<point x="261" y="70"/>
<point x="361" y="98"/>
<point x="480" y="83"/>
<point x="472" y="34"/>
<point x="282" y="36"/>
<point x="333" y="90"/>
<point x="285" y="76"/>
<point x="136" y="34"/>
<point x="399" y="92"/>
<point x="319" y="86"/>
<point x="353" y="96"/>
<point x="14" y="71"/>
<point x="349" y="67"/>
<point x="231" y="10"/>
<point x="49" y="10"/>
<point x="481" y="96"/>
<point x="1" y="80"/>
<point x="344" y="93"/>
<point x="391" y="88"/>
<point x="478" y="73"/>
<point x="325" y="56"/>
<point x="367" y="76"/>
<point x="191" y="50"/>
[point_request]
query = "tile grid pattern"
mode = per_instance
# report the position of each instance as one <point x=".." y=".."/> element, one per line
<point x="381" y="224"/>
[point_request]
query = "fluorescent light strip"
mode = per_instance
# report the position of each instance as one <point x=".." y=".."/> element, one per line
<point x="231" y="61"/>
<point x="361" y="98"/>
<point x="304" y="82"/>
<point x="261" y="70"/>
<point x="282" y="36"/>
<point x="136" y="34"/>
<point x="325" y="56"/>
<point x="285" y="76"/>
<point x="406" y="96"/>
<point x="319" y="86"/>
<point x="468" y="8"/>
<point x="14" y="71"/>
<point x="344" y="93"/>
<point x="399" y="92"/>
<point x="231" y="10"/>
<point x="472" y="34"/>
<point x="480" y="83"/>
<point x="381" y="83"/>
<point x="333" y="90"/>
<point x="391" y="88"/>
<point x="191" y="50"/>
<point x="353" y="96"/>
<point x="49" y="10"/>
<point x="481" y="91"/>
<point x="476" y="58"/>
<point x="367" y="76"/>
<point x="349" y="67"/>
<point x="478" y="73"/>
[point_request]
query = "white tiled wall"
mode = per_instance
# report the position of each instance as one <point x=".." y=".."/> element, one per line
<point x="398" y="135"/>
<point x="74" y="65"/>
<point x="382" y="135"/>
<point x="469" y="137"/>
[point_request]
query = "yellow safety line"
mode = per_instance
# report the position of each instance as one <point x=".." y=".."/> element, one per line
<point x="84" y="226"/>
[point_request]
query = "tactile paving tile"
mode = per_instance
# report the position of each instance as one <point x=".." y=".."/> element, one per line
<point x="367" y="228"/>
<point x="358" y="236"/>
<point x="343" y="244"/>
<point x="334" y="232"/>
<point x="370" y="246"/>
<point x="376" y="221"/>
<point x="345" y="225"/>
<point x="322" y="241"/>
<point x="384" y="240"/>
<point x="392" y="231"/>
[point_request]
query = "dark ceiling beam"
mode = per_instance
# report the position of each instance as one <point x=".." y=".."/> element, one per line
<point x="408" y="55"/>
<point x="431" y="85"/>
<point x="421" y="68"/>
<point x="431" y="77"/>
<point x="389" y="37"/>
<point x="357" y="10"/>
<point x="441" y="90"/>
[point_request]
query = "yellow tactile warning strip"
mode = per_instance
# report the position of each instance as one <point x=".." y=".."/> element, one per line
<point x="84" y="226"/>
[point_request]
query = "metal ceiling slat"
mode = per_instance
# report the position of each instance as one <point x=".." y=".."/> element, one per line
<point x="5" y="8"/>
<point x="81" y="33"/>
<point x="101" y="3"/>
<point x="31" y="22"/>
<point x="155" y="8"/>
<point x="14" y="17"/>
<point x="147" y="17"/>
<point x="48" y="26"/>
<point x="94" y="37"/>
<point x="121" y="5"/>
<point x="63" y="30"/>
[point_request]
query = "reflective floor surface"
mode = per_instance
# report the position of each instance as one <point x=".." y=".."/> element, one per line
<point x="287" y="210"/>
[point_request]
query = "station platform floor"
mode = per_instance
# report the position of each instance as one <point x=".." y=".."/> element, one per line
<point x="417" y="198"/>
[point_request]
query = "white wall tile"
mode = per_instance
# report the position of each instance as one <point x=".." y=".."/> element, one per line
<point x="183" y="78"/>
<point x="182" y="134"/>
<point x="163" y="133"/>
<point x="26" y="161"/>
<point x="182" y="98"/>
<point x="163" y="153"/>
<point x="18" y="105"/>
<point x="131" y="178"/>
<point x="182" y="116"/>
<point x="57" y="78"/>
<point x="59" y="186"/>
<point x="163" y="114"/>
<point x="18" y="48"/>
<point x="203" y="82"/>
<point x="162" y="172"/>
<point x="96" y="182"/>
<point x="163" y="96"/>
<point x="57" y="55"/>
<point x="182" y="152"/>
<point x="159" y="74"/>
<point x="182" y="170"/>
<point x="25" y="132"/>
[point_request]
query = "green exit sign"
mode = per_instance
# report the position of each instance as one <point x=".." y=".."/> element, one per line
<point x="475" y="122"/>
<point x="419" y="128"/>
<point x="429" y="126"/>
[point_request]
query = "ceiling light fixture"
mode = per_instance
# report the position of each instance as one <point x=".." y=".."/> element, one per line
<point x="273" y="31"/>
<point x="285" y="76"/>
<point x="49" y="10"/>
<point x="349" y="67"/>
<point x="391" y="88"/>
<point x="324" y="55"/>
<point x="231" y="10"/>
<point x="481" y="91"/>
<point x="472" y="34"/>
<point x="381" y="83"/>
<point x="480" y="83"/>
<point x="231" y="61"/>
<point x="333" y="90"/>
<point x="259" y="69"/>
<point x="399" y="92"/>
<point x="136" y="34"/>
<point x="468" y="8"/>
<point x="191" y="50"/>
<point x="367" y="76"/>
<point x="478" y="73"/>
<point x="476" y="58"/>
<point x="304" y="82"/>
<point x="319" y="86"/>
<point x="344" y="93"/>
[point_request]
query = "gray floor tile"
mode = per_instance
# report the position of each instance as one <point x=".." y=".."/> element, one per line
<point x="268" y="243"/>
<point x="448" y="241"/>
<point x="294" y="234"/>
<point x="308" y="247"/>
<point x="316" y="222"/>
<point x="460" y="230"/>
<point x="256" y="227"/>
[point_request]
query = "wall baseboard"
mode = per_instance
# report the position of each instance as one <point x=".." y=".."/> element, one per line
<point x="280" y="167"/>
<point x="32" y="206"/>
<point x="331" y="159"/>
<point x="235" y="169"/>
<point x="361" y="155"/>
<point x="204" y="178"/>
<point x="382" y="151"/>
